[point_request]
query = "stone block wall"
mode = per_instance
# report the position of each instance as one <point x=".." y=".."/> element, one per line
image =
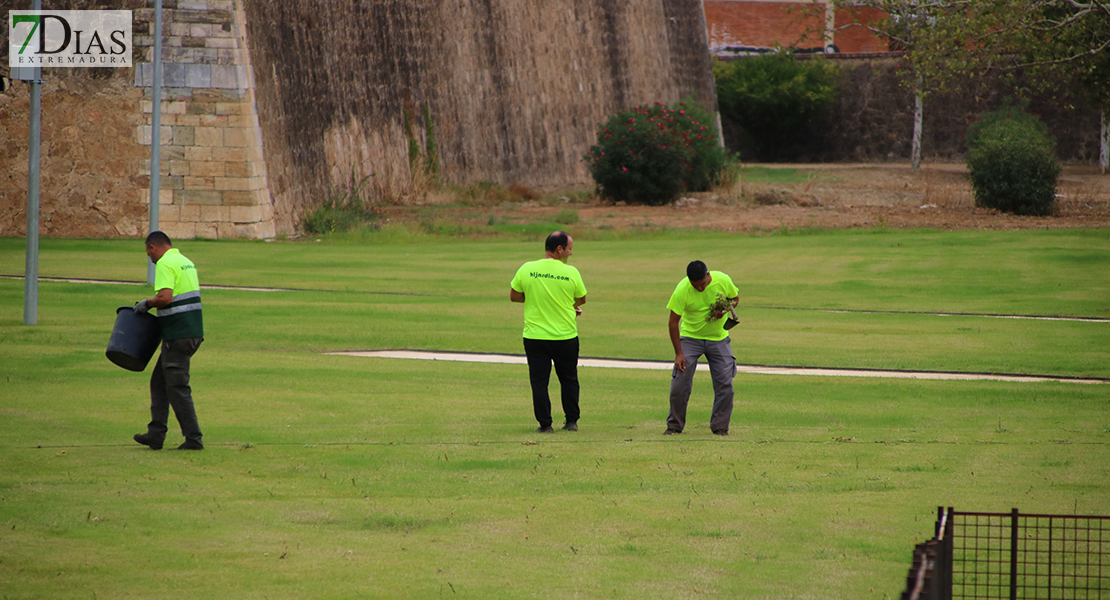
<point x="96" y="135"/>
<point x="90" y="185"/>
<point x="270" y="106"/>
<point x="213" y="180"/>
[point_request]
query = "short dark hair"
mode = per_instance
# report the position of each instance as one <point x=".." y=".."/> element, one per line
<point x="696" y="271"/>
<point x="157" y="238"/>
<point x="556" y="239"/>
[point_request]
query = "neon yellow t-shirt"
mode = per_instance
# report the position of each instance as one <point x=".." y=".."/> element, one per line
<point x="549" y="287"/>
<point x="694" y="306"/>
<point x="182" y="318"/>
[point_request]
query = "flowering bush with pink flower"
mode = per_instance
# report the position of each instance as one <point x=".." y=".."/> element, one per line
<point x="651" y="154"/>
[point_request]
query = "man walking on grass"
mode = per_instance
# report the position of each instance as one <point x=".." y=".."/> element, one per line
<point x="179" y="316"/>
<point x="697" y="326"/>
<point x="552" y="292"/>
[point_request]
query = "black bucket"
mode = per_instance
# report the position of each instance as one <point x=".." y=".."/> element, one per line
<point x="134" y="339"/>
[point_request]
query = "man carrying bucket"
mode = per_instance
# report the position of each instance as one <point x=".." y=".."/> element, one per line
<point x="179" y="317"/>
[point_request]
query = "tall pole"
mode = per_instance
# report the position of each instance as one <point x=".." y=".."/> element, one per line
<point x="918" y="118"/>
<point x="31" y="271"/>
<point x="155" y="131"/>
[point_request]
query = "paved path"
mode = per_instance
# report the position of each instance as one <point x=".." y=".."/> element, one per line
<point x="753" y="369"/>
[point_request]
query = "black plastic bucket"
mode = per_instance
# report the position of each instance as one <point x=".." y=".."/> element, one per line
<point x="134" y="339"/>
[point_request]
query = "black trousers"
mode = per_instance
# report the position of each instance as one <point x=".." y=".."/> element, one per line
<point x="564" y="354"/>
<point x="169" y="388"/>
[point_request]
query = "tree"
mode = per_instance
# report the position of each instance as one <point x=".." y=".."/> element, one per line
<point x="949" y="39"/>
<point x="777" y="99"/>
<point x="1075" y="37"/>
<point x="932" y="34"/>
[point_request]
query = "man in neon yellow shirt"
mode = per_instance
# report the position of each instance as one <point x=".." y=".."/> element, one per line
<point x="179" y="316"/>
<point x="552" y="292"/>
<point x="697" y="329"/>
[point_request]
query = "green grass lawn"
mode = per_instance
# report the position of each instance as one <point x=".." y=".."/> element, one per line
<point x="342" y="477"/>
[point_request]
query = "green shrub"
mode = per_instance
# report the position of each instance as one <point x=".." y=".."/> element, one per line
<point x="1008" y="112"/>
<point x="1012" y="163"/>
<point x="697" y="128"/>
<point x="778" y="100"/>
<point x="651" y="154"/>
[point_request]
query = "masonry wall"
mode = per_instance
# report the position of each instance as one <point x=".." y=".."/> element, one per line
<point x="791" y="23"/>
<point x="765" y="24"/>
<point x="213" y="177"/>
<point x="270" y="106"/>
<point x="91" y="184"/>
<point x="851" y="33"/>
<point x="97" y="132"/>
<point x="514" y="89"/>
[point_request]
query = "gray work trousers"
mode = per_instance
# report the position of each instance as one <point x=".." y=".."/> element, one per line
<point x="169" y="387"/>
<point x="722" y="366"/>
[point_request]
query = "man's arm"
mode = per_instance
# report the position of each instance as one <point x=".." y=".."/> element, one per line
<point x="516" y="296"/>
<point x="162" y="298"/>
<point x="673" y="327"/>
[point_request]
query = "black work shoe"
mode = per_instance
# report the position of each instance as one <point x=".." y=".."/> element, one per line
<point x="672" y="432"/>
<point x="544" y="429"/>
<point x="570" y="427"/>
<point x="148" y="440"/>
<point x="720" y="432"/>
<point x="191" y="446"/>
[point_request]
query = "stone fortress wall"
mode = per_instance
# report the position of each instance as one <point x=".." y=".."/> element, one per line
<point x="213" y="176"/>
<point x="515" y="90"/>
<point x="269" y="106"/>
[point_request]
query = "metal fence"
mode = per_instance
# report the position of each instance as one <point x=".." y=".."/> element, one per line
<point x="1012" y="556"/>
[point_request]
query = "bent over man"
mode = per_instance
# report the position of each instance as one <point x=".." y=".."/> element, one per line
<point x="177" y="299"/>
<point x="697" y="327"/>
<point x="552" y="292"/>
